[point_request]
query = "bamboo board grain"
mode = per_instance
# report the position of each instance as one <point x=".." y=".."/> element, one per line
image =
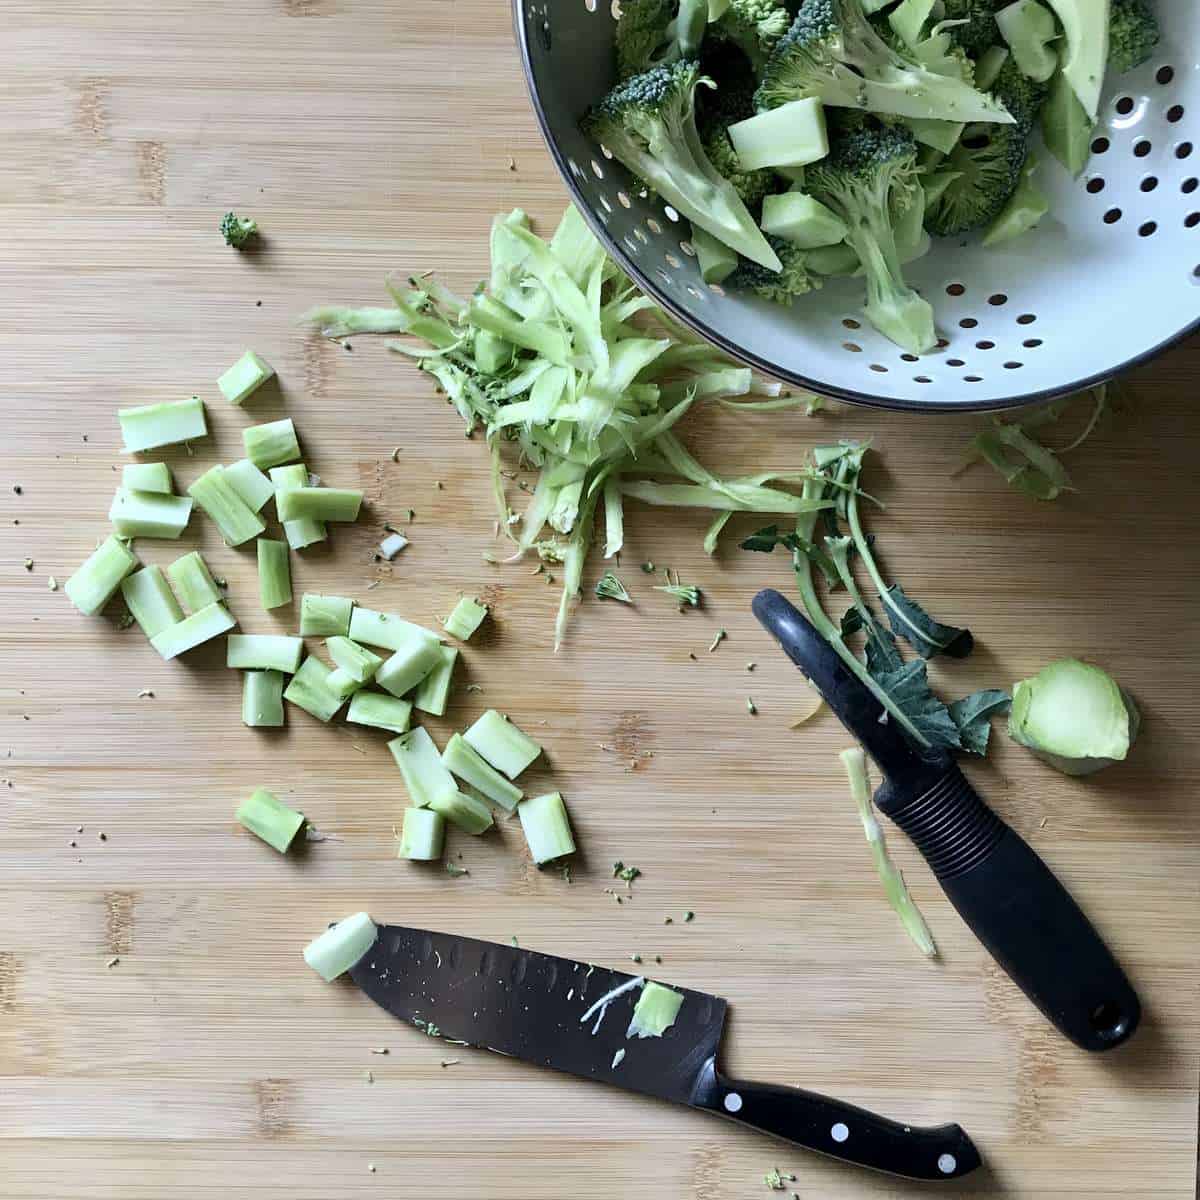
<point x="368" y="137"/>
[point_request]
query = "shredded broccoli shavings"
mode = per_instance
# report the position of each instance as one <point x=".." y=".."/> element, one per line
<point x="611" y="588"/>
<point x="237" y="231"/>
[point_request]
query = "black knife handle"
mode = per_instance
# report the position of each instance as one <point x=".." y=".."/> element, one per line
<point x="1018" y="909"/>
<point x="839" y="1130"/>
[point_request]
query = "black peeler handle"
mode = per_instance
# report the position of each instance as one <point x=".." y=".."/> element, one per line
<point x="1007" y="895"/>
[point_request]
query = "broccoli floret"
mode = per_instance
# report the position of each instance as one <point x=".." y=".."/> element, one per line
<point x="238" y="231"/>
<point x="980" y="30"/>
<point x="754" y="26"/>
<point x="751" y="186"/>
<point x="649" y="124"/>
<point x="870" y="179"/>
<point x="985" y="168"/>
<point x="1022" y="96"/>
<point x="1132" y="34"/>
<point x="832" y="52"/>
<point x="657" y="32"/>
<point x="783" y="286"/>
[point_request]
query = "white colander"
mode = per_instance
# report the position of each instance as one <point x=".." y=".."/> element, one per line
<point x="1109" y="278"/>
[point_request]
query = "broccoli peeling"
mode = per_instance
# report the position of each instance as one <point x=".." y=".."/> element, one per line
<point x="237" y="231"/>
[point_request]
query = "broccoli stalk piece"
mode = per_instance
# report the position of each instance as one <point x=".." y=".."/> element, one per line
<point x="834" y="53"/>
<point x="1085" y="26"/>
<point x="658" y="32"/>
<point x="869" y="180"/>
<point x="753" y="26"/>
<point x="649" y="124"/>
<point x="1132" y="35"/>
<point x="793" y="279"/>
<point x="238" y="231"/>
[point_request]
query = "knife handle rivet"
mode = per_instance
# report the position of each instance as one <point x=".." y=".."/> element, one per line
<point x="733" y="1102"/>
<point x="947" y="1164"/>
<point x="840" y="1132"/>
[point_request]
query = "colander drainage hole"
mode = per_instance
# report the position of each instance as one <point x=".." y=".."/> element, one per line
<point x="624" y="201"/>
<point x="1149" y="183"/>
<point x="1142" y="148"/>
<point x="1183" y="150"/>
<point x="1175" y="114"/>
<point x="1026" y="319"/>
<point x="1147" y="229"/>
<point x="1112" y="216"/>
<point x="653" y="225"/>
<point x="997" y="300"/>
<point x="1095" y="186"/>
<point x="955" y="362"/>
<point x="1189" y="185"/>
<point x="688" y="249"/>
<point x="850" y="323"/>
<point x="1100" y="145"/>
<point x="853" y="347"/>
<point x="1031" y="343"/>
<point x="597" y="169"/>
<point x="985" y="345"/>
<point x="1013" y="366"/>
<point x="672" y="261"/>
<point x="909" y="358"/>
<point x="956" y="289"/>
<point x="1164" y="75"/>
<point x="968" y="323"/>
<point x="879" y="367"/>
<point x="1124" y="105"/>
<point x="972" y="379"/>
<point x="1191" y="220"/>
<point x="922" y="379"/>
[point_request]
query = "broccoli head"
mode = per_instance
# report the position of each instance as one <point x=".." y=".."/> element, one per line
<point x="238" y="231"/>
<point x="754" y="26"/>
<point x="985" y="167"/>
<point x="654" y="32"/>
<point x="1132" y="34"/>
<point x="1022" y="96"/>
<point x="870" y="180"/>
<point x="980" y="30"/>
<point x="833" y="52"/>
<point x="751" y="186"/>
<point x="648" y="123"/>
<point x="795" y="278"/>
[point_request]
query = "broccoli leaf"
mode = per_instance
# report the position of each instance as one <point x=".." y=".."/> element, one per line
<point x="909" y="689"/>
<point x="926" y="636"/>
<point x="973" y="716"/>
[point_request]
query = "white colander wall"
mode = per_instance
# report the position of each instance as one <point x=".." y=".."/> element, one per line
<point x="1109" y="276"/>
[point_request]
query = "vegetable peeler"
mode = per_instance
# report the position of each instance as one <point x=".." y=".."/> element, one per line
<point x="1000" y="886"/>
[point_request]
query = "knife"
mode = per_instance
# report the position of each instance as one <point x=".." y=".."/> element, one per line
<point x="573" y="1016"/>
<point x="1000" y="886"/>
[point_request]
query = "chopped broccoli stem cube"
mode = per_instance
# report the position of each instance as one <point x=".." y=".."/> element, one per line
<point x="149" y="598"/>
<point x="149" y="514"/>
<point x="469" y="813"/>
<point x="263" y="652"/>
<point x="342" y="684"/>
<point x="325" y="616"/>
<point x="715" y="259"/>
<point x="310" y="690"/>
<point x="265" y="816"/>
<point x="502" y="744"/>
<point x="1066" y="127"/>
<point x="341" y="946"/>
<point x="655" y="1012"/>
<point x="357" y="661"/>
<point x="422" y="835"/>
<point x="409" y="664"/>
<point x="433" y="691"/>
<point x="425" y="775"/>
<point x="155" y="425"/>
<point x="546" y="827"/>
<point x="227" y="509"/>
<point x="373" y="628"/>
<point x="271" y="444"/>
<point x="202" y="626"/>
<point x="193" y="582"/>
<point x="262" y="699"/>
<point x="92" y="585"/>
<point x="802" y="220"/>
<point x="791" y="135"/>
<point x="274" y="573"/>
<point x="466" y="763"/>
<point x="244" y="378"/>
<point x="492" y="353"/>
<point x="467" y="617"/>
<point x="392" y="545"/>
<point x="249" y="483"/>
<point x="147" y="477"/>
<point x="318" y="504"/>
<point x="988" y="66"/>
<point x="298" y="533"/>
<point x="1030" y="29"/>
<point x="379" y="711"/>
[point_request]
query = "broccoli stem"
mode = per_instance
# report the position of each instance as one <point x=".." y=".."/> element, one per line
<point x="262" y="699"/>
<point x="341" y="946"/>
<point x="379" y="711"/>
<point x="263" y="652"/>
<point x="502" y="744"/>
<point x="422" y="835"/>
<point x="185" y="635"/>
<point x="149" y="598"/>
<point x="267" y="818"/>
<point x="155" y="425"/>
<point x="546" y="827"/>
<point x="193" y="581"/>
<point x="274" y="573"/>
<point x="325" y="616"/>
<point x="271" y="444"/>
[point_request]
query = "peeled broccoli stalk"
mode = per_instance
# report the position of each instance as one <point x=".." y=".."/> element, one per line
<point x="318" y="504"/>
<point x="502" y="744"/>
<point x="1085" y="24"/>
<point x="271" y="444"/>
<point x="1025" y="208"/>
<point x="832" y="52"/>
<point x="469" y="813"/>
<point x="410" y="663"/>
<point x="655" y="1012"/>
<point x="304" y="532"/>
<point x="194" y="582"/>
<point x="309" y="690"/>
<point x="380" y="711"/>
<point x="340" y="946"/>
<point x="716" y="261"/>
<point x="274" y="573"/>
<point x="1133" y="34"/>
<point x="200" y="627"/>
<point x="1074" y="716"/>
<point x="422" y="835"/>
<point x="433" y="692"/>
<point x="355" y="660"/>
<point x="92" y="585"/>
<point x="988" y="66"/>
<point x="372" y="628"/>
<point x="265" y="816"/>
<point x="155" y="425"/>
<point x="466" y="618"/>
<point x="342" y="684"/>
<point x="149" y="598"/>
<point x="870" y="175"/>
<point x="649" y="124"/>
<point x="425" y="775"/>
<point x="1066" y="127"/>
<point x="791" y="135"/>
<point x="147" y="477"/>
<point x="470" y="767"/>
<point x="149" y="514"/>
<point x="803" y="220"/>
<point x="249" y="483"/>
<point x="228" y="511"/>
<point x="325" y="616"/>
<point x="546" y="827"/>
<point x="908" y="19"/>
<point x="244" y="378"/>
<point x="262" y="699"/>
<point x="263" y="652"/>
<point x="1029" y="29"/>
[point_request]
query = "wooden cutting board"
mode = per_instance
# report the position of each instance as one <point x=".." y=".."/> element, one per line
<point x="160" y="1038"/>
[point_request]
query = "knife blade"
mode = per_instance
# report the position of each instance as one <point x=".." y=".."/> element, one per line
<point x="574" y="1017"/>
